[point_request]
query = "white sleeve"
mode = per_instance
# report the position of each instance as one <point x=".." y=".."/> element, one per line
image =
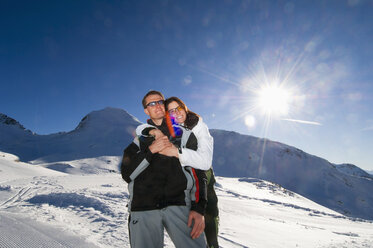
<point x="140" y="128"/>
<point x="202" y="157"/>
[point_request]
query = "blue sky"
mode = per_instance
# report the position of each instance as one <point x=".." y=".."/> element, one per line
<point x="60" y="60"/>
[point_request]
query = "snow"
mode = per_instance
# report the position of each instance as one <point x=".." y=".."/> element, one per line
<point x="21" y="232"/>
<point x="21" y="170"/>
<point x="86" y="207"/>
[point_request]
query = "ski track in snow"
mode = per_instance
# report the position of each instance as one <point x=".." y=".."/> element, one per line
<point x="51" y="203"/>
<point x="236" y="244"/>
<point x="311" y="211"/>
<point x="16" y="232"/>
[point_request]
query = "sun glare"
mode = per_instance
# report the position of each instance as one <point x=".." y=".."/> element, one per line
<point x="273" y="100"/>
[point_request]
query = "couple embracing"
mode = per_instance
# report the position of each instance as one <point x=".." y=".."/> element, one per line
<point x="170" y="178"/>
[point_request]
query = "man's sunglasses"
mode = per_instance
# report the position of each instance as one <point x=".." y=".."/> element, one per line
<point x="160" y="102"/>
<point x="174" y="110"/>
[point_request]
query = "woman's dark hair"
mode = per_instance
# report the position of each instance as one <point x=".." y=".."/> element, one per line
<point x="191" y="117"/>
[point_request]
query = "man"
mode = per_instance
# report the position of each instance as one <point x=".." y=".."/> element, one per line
<point x="200" y="158"/>
<point x="160" y="188"/>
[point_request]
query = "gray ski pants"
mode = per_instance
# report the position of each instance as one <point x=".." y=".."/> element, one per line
<point x="146" y="228"/>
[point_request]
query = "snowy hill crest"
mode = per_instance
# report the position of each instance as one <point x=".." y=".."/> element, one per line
<point x="353" y="170"/>
<point x="106" y="117"/>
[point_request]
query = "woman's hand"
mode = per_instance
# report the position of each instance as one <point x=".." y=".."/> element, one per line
<point x="156" y="133"/>
<point x="160" y="144"/>
<point x="170" y="151"/>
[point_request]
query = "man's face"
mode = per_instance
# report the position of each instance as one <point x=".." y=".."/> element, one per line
<point x="157" y="111"/>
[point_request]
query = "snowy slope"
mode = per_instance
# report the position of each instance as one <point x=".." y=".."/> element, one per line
<point x="24" y="232"/>
<point x="104" y="134"/>
<point x="237" y="155"/>
<point x="91" y="209"/>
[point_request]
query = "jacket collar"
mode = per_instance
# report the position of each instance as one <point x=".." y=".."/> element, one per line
<point x="163" y="127"/>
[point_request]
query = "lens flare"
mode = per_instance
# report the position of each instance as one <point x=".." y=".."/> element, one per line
<point x="274" y="100"/>
<point x="250" y="121"/>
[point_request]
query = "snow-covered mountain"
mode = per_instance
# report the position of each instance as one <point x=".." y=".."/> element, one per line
<point x="103" y="132"/>
<point x="40" y="207"/>
<point x="343" y="188"/>
<point x="353" y="170"/>
<point x="238" y="155"/>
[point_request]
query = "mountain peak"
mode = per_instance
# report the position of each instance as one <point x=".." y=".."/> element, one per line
<point x="353" y="170"/>
<point x="4" y="119"/>
<point x="107" y="116"/>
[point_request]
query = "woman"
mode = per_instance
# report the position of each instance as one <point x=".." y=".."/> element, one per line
<point x="200" y="159"/>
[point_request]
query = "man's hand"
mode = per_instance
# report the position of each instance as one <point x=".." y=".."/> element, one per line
<point x="198" y="225"/>
<point x="171" y="151"/>
<point x="156" y="133"/>
<point x="160" y="144"/>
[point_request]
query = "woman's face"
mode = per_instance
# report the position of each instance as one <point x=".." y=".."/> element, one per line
<point x="177" y="112"/>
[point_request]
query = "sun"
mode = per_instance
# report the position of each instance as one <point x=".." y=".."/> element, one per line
<point x="273" y="100"/>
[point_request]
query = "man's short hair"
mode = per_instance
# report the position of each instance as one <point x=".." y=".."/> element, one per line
<point x="152" y="92"/>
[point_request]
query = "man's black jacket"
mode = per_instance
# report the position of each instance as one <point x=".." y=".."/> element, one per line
<point x="156" y="181"/>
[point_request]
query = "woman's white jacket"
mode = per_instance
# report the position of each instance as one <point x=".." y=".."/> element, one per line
<point x="202" y="157"/>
